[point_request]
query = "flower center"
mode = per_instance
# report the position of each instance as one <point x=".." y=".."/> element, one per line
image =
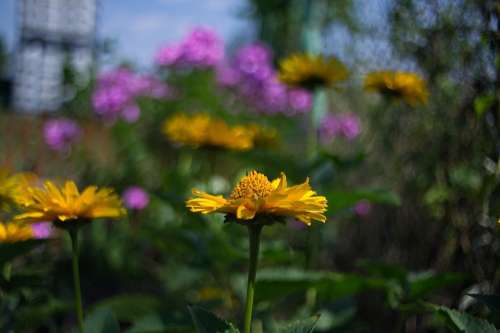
<point x="253" y="185"/>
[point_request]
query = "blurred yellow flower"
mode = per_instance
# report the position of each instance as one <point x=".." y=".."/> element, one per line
<point x="312" y="71"/>
<point x="13" y="232"/>
<point x="13" y="185"/>
<point x="408" y="86"/>
<point x="256" y="195"/>
<point x="203" y="130"/>
<point x="59" y="204"/>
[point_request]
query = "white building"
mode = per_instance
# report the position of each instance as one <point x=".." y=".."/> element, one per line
<point x="50" y="34"/>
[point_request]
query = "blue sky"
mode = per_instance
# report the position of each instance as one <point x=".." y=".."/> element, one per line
<point x="140" y="29"/>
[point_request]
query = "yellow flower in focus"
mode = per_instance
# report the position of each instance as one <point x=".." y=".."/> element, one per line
<point x="13" y="232"/>
<point x="408" y="86"/>
<point x="13" y="185"/>
<point x="65" y="203"/>
<point x="311" y="71"/>
<point x="256" y="195"/>
<point x="203" y="130"/>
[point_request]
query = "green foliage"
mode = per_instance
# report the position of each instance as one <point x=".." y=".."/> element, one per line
<point x="300" y="326"/>
<point x="492" y="301"/>
<point x="461" y="322"/>
<point x="206" y="322"/>
<point x="101" y="321"/>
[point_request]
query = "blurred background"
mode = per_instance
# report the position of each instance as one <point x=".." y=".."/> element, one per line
<point x="85" y="86"/>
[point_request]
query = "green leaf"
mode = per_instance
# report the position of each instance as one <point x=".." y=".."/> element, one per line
<point x="275" y="284"/>
<point x="9" y="251"/>
<point x="130" y="307"/>
<point x="207" y="322"/>
<point x="491" y="301"/>
<point x="301" y="326"/>
<point x="101" y="321"/>
<point x="422" y="284"/>
<point x="483" y="103"/>
<point x="155" y="323"/>
<point x="463" y="322"/>
<point x="339" y="200"/>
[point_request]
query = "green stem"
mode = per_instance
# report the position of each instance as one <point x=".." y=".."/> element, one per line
<point x="254" y="236"/>
<point x="73" y="234"/>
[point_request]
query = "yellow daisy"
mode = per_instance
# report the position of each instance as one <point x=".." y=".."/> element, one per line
<point x="13" y="232"/>
<point x="203" y="130"/>
<point x="407" y="86"/>
<point x="312" y="71"/>
<point x="13" y="185"/>
<point x="256" y="195"/>
<point x="65" y="204"/>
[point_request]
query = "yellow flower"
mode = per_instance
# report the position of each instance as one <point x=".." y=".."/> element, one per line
<point x="13" y="185"/>
<point x="60" y="204"/>
<point x="312" y="71"/>
<point x="203" y="130"/>
<point x="12" y="232"/>
<point x="408" y="86"/>
<point x="256" y="195"/>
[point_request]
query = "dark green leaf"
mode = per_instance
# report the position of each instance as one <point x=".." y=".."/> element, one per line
<point x="101" y="321"/>
<point x="159" y="324"/>
<point x="422" y="284"/>
<point x="463" y="322"/>
<point x="277" y="283"/>
<point x="130" y="307"/>
<point x="9" y="251"/>
<point x="207" y="322"/>
<point x="491" y="301"/>
<point x="301" y="326"/>
<point x="339" y="200"/>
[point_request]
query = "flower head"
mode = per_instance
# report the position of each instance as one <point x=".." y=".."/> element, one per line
<point x="202" y="48"/>
<point x="363" y="208"/>
<point x="311" y="71"/>
<point x="14" y="232"/>
<point x="345" y="125"/>
<point x="256" y="195"/>
<point x="135" y="197"/>
<point x="408" y="86"/>
<point x="42" y="230"/>
<point x="12" y="186"/>
<point x="65" y="203"/>
<point x="60" y="133"/>
<point x="203" y="130"/>
<point x="116" y="91"/>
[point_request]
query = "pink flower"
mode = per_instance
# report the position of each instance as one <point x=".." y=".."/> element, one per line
<point x="61" y="133"/>
<point x="116" y="91"/>
<point x="363" y="208"/>
<point x="42" y="230"/>
<point x="300" y="100"/>
<point x="134" y="197"/>
<point x="202" y="48"/>
<point x="346" y="125"/>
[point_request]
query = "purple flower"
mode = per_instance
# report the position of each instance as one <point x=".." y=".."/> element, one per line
<point x="42" y="230"/>
<point x="345" y="125"/>
<point x="168" y="55"/>
<point x="134" y="197"/>
<point x="300" y="100"/>
<point x="227" y="76"/>
<point x="60" y="133"/>
<point x="117" y="90"/>
<point x="274" y="97"/>
<point x="363" y="208"/>
<point x="131" y="113"/>
<point x="202" y="48"/>
<point x="255" y="80"/>
<point x="254" y="61"/>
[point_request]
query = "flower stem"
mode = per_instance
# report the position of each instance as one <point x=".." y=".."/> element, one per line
<point x="73" y="234"/>
<point x="254" y="237"/>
